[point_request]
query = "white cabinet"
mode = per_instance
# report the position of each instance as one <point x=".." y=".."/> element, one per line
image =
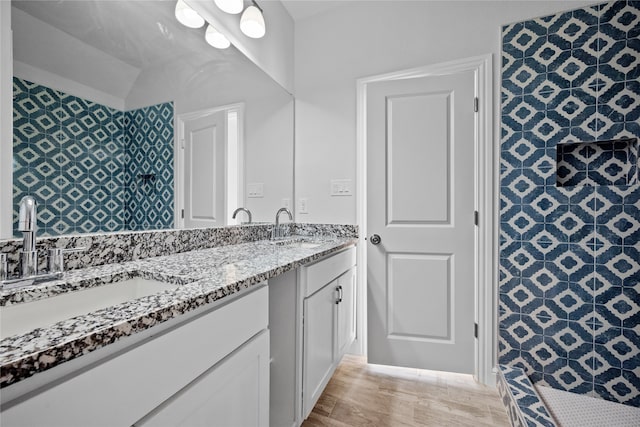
<point x="312" y="324"/>
<point x="320" y="323"/>
<point x="232" y="393"/>
<point x="135" y="384"/>
<point x="328" y="321"/>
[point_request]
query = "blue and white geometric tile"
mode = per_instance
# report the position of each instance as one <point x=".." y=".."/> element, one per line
<point x="68" y="153"/>
<point x="149" y="141"/>
<point x="584" y="78"/>
<point x="520" y="398"/>
<point x="617" y="306"/>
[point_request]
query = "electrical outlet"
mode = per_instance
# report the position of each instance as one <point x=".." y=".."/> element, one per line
<point x="303" y="206"/>
<point x="286" y="203"/>
<point x="255" y="190"/>
<point x="341" y="187"/>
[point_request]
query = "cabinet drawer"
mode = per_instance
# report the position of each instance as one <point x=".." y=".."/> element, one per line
<point x="234" y="392"/>
<point x="147" y="374"/>
<point x="315" y="276"/>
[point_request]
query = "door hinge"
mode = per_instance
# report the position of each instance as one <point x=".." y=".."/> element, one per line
<point x="182" y="214"/>
<point x="182" y="143"/>
<point x="475" y="330"/>
<point x="476" y="104"/>
<point x="476" y="218"/>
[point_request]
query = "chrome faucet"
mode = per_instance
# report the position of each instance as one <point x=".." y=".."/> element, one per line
<point x="277" y="233"/>
<point x="28" y="255"/>
<point x="27" y="223"/>
<point x="247" y="211"/>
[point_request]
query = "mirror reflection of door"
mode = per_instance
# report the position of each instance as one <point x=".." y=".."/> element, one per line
<point x="209" y="166"/>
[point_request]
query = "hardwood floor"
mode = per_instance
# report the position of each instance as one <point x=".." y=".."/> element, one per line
<point x="372" y="395"/>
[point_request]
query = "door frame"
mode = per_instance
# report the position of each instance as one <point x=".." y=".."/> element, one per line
<point x="486" y="163"/>
<point x="178" y="155"/>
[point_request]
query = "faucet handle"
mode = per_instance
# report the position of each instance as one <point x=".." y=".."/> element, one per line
<point x="3" y="266"/>
<point x="55" y="261"/>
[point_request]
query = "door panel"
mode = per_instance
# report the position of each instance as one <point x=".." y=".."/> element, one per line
<point x="419" y="310"/>
<point x="421" y="144"/>
<point x="420" y="181"/>
<point x="202" y="160"/>
<point x="205" y="151"/>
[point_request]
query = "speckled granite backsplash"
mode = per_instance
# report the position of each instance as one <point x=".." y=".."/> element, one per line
<point x="334" y="230"/>
<point x="109" y="248"/>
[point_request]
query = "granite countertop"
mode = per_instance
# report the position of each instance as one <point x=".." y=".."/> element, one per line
<point x="203" y="276"/>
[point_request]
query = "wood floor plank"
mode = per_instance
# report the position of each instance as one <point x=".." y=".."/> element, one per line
<point x="372" y="395"/>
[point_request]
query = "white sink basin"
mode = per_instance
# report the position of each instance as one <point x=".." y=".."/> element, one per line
<point x="21" y="318"/>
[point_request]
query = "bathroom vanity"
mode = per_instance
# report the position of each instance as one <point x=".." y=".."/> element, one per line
<point x="312" y="324"/>
<point x="246" y="334"/>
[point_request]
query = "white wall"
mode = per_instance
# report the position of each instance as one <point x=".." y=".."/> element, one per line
<point x="273" y="53"/>
<point x="269" y="154"/>
<point x="6" y="128"/>
<point x="49" y="56"/>
<point x="365" y="38"/>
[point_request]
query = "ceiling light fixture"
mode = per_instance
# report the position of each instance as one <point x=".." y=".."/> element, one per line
<point x="216" y="39"/>
<point x="230" y="6"/>
<point x="252" y="22"/>
<point x="187" y="16"/>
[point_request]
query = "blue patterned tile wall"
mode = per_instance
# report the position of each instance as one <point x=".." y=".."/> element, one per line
<point x="569" y="309"/>
<point x="68" y="154"/>
<point x="149" y="175"/>
<point x="73" y="156"/>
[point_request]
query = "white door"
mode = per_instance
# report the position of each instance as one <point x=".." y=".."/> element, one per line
<point x="204" y="167"/>
<point x="420" y="192"/>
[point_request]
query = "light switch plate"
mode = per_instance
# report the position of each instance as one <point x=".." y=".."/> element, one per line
<point x="341" y="187"/>
<point x="255" y="190"/>
<point x="303" y="206"/>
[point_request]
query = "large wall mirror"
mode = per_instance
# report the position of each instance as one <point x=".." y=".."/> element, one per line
<point x="126" y="120"/>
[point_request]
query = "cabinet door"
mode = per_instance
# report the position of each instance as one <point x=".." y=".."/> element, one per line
<point x="346" y="312"/>
<point x="233" y="393"/>
<point x="319" y="343"/>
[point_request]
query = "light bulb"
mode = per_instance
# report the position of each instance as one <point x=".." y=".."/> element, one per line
<point x="252" y="23"/>
<point x="230" y="6"/>
<point x="187" y="16"/>
<point x="216" y="39"/>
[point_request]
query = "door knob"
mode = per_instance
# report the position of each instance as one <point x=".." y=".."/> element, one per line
<point x="375" y="239"/>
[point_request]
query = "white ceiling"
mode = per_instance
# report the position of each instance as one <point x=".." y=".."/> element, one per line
<point x="109" y="45"/>
<point x="140" y="33"/>
<point x="301" y="9"/>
